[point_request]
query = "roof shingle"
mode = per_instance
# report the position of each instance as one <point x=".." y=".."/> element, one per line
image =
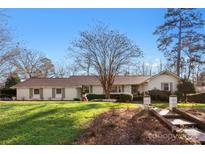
<point x="78" y="81"/>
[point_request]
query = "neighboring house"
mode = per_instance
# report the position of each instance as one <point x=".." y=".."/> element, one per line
<point x="200" y="89"/>
<point x="200" y="83"/>
<point x="72" y="87"/>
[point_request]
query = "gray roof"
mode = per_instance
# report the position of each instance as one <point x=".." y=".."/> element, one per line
<point x="86" y="80"/>
<point x="78" y="81"/>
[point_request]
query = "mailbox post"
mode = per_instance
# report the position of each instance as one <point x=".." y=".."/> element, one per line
<point x="146" y="101"/>
<point x="172" y="101"/>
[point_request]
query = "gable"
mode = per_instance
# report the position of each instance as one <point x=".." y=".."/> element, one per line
<point x="157" y="81"/>
<point x="164" y="78"/>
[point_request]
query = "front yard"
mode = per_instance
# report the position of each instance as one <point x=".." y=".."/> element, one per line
<point x="55" y="122"/>
<point x="63" y="122"/>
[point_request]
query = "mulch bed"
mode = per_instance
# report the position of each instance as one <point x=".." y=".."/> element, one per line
<point x="130" y="127"/>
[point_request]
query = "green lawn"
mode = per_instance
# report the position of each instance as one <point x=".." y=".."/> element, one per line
<point x="160" y="104"/>
<point x="54" y="122"/>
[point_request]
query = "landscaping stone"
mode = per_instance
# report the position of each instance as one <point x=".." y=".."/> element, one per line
<point x="199" y="135"/>
<point x="181" y="122"/>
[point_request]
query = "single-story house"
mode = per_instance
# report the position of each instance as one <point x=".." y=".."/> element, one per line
<point x="72" y="87"/>
<point x="200" y="89"/>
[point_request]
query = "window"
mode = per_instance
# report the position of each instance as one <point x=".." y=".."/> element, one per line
<point x="134" y="89"/>
<point x="165" y="86"/>
<point x="36" y="91"/>
<point x="58" y="91"/>
<point x="117" y="89"/>
<point x="114" y="89"/>
<point x="87" y="89"/>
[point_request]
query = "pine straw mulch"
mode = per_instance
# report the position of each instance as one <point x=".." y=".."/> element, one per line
<point x="129" y="127"/>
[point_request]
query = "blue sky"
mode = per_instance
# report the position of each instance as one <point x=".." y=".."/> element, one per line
<point x="51" y="30"/>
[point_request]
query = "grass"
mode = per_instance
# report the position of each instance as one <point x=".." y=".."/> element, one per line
<point x="48" y="122"/>
<point x="161" y="104"/>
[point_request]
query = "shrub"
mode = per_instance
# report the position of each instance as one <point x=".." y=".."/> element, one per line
<point x="76" y="99"/>
<point x="104" y="100"/>
<point x="159" y="95"/>
<point x="196" y="98"/>
<point x="185" y="87"/>
<point x="138" y="98"/>
<point x="125" y="97"/>
<point x="95" y="96"/>
<point x="7" y="93"/>
<point x="118" y="97"/>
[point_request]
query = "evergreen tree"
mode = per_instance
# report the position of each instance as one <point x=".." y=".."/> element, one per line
<point x="11" y="81"/>
<point x="180" y="36"/>
<point x="185" y="87"/>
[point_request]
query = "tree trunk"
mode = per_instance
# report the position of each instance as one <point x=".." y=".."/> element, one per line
<point x="107" y="95"/>
<point x="185" y="95"/>
<point x="107" y="90"/>
<point x="179" y="50"/>
<point x="189" y="71"/>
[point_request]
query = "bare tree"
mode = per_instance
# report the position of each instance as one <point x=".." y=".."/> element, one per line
<point x="29" y="63"/>
<point x="62" y="71"/>
<point x="143" y="69"/>
<point x="83" y="64"/>
<point x="6" y="50"/>
<point x="108" y="50"/>
<point x="46" y="68"/>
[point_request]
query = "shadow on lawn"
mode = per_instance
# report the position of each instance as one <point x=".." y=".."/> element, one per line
<point x="10" y="107"/>
<point x="44" y="128"/>
<point x="6" y="107"/>
<point x="37" y="131"/>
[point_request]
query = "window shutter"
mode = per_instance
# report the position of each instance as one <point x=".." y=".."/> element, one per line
<point x="171" y="86"/>
<point x="53" y="92"/>
<point x="41" y="93"/>
<point x="63" y="92"/>
<point x="30" y="93"/>
<point x="91" y="89"/>
<point x="162" y="86"/>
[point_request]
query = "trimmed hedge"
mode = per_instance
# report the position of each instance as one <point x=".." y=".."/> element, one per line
<point x="196" y="98"/>
<point x="95" y="96"/>
<point x="76" y="99"/>
<point x="138" y="98"/>
<point x="159" y="95"/>
<point x="118" y="97"/>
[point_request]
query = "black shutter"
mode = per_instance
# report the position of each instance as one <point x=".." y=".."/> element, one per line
<point x="30" y="93"/>
<point x="63" y="93"/>
<point x="53" y="93"/>
<point x="171" y="87"/>
<point x="91" y="89"/>
<point x="41" y="93"/>
<point x="162" y="86"/>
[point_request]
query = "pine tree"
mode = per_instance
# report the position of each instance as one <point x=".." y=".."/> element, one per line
<point x="180" y="24"/>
